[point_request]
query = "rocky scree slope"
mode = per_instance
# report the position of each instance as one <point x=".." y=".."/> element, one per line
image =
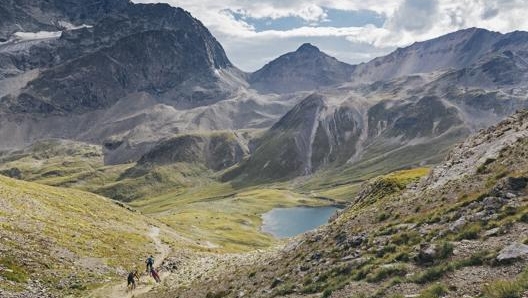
<point x="459" y="232"/>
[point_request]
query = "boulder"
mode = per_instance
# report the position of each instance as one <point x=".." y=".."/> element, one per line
<point x="492" y="232"/>
<point x="426" y="254"/>
<point x="459" y="223"/>
<point x="512" y="252"/>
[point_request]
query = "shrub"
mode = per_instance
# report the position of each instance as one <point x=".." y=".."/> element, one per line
<point x="385" y="250"/>
<point x="431" y="274"/>
<point x="524" y="218"/>
<point x="507" y="289"/>
<point x="503" y="289"/>
<point x="445" y="250"/>
<point x="471" y="231"/>
<point x="15" y="272"/>
<point x="385" y="272"/>
<point x="434" y="291"/>
<point x="382" y="217"/>
<point x="326" y="293"/>
<point x="410" y="238"/>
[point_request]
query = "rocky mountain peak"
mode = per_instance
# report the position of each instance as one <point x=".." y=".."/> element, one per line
<point x="307" y="68"/>
<point x="308" y="48"/>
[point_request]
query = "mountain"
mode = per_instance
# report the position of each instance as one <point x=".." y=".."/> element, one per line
<point x="129" y="73"/>
<point x="217" y="151"/>
<point x="143" y="80"/>
<point x="305" y="69"/>
<point x="150" y="48"/>
<point x="459" y="231"/>
<point x="140" y="103"/>
<point x="384" y="119"/>
<point x="457" y="50"/>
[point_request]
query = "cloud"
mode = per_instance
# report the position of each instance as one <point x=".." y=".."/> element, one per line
<point x="414" y="15"/>
<point x="246" y="27"/>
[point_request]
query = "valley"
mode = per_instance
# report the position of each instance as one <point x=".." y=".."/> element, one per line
<point x="126" y="131"/>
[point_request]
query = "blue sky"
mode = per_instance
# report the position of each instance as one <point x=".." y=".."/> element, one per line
<point x="256" y="32"/>
<point x="333" y="18"/>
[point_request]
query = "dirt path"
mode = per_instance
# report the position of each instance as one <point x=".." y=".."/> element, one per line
<point x="146" y="283"/>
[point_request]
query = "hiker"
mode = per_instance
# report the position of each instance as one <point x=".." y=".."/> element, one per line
<point x="150" y="263"/>
<point x="131" y="283"/>
<point x="155" y="275"/>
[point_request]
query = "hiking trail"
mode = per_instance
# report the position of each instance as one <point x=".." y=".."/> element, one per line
<point x="146" y="282"/>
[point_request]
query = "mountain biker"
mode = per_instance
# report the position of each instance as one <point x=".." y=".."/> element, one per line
<point x="131" y="283"/>
<point x="150" y="263"/>
<point x="155" y="275"/>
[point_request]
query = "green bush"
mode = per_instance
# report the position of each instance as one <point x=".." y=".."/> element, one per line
<point x="506" y="288"/>
<point x="385" y="272"/>
<point x="469" y="232"/>
<point x="15" y="272"/>
<point x="445" y="250"/>
<point x="503" y="289"/>
<point x="410" y="238"/>
<point x="326" y="293"/>
<point x="431" y="274"/>
<point x="524" y="218"/>
<point x="382" y="217"/>
<point x="434" y="291"/>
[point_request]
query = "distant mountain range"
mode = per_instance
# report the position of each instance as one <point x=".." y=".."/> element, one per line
<point x="145" y="81"/>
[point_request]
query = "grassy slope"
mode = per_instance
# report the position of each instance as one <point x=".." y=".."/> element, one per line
<point x="184" y="196"/>
<point x="218" y="213"/>
<point x="66" y="238"/>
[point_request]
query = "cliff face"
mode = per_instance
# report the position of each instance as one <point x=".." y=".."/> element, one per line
<point x="131" y="48"/>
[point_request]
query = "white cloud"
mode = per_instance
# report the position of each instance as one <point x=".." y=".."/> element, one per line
<point x="407" y="21"/>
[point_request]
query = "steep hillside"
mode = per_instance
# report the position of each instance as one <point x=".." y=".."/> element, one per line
<point x="458" y="232"/>
<point x="305" y="69"/>
<point x="60" y="241"/>
<point x="217" y="151"/>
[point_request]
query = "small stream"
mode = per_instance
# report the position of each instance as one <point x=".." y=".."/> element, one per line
<point x="289" y="222"/>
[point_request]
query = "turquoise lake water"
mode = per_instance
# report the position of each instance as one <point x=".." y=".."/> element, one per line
<point x="289" y="222"/>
